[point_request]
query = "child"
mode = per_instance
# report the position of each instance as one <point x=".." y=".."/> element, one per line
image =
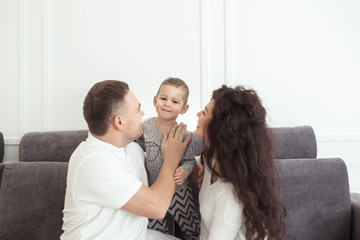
<point x="170" y="101"/>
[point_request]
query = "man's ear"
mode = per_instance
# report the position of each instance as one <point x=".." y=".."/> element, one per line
<point x="117" y="121"/>
<point x="155" y="100"/>
<point x="185" y="108"/>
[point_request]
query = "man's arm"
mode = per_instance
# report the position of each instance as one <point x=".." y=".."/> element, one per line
<point x="154" y="202"/>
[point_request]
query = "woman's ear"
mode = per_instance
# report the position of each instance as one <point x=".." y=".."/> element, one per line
<point x="185" y="108"/>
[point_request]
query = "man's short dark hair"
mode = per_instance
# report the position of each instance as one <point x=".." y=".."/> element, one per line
<point x="101" y="104"/>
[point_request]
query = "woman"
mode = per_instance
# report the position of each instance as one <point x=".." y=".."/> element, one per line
<point x="238" y="198"/>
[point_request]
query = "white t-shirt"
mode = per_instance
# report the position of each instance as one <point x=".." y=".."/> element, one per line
<point x="101" y="179"/>
<point x="221" y="214"/>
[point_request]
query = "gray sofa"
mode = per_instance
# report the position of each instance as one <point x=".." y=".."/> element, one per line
<point x="314" y="191"/>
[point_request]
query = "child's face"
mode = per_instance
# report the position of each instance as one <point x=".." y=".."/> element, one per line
<point x="169" y="103"/>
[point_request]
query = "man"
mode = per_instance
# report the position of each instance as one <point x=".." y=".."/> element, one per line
<point x="107" y="195"/>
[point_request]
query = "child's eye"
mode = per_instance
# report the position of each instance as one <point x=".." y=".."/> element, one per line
<point x="175" y="102"/>
<point x="163" y="98"/>
<point x="203" y="112"/>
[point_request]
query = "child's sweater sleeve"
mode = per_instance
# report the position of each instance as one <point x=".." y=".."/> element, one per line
<point x="197" y="144"/>
<point x="188" y="161"/>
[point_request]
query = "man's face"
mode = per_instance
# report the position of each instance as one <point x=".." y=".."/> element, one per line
<point x="133" y="117"/>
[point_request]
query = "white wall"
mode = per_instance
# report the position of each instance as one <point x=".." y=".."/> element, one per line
<point x="303" y="57"/>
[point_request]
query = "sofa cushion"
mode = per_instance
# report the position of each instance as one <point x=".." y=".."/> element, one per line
<point x="294" y="142"/>
<point x="51" y="146"/>
<point x="316" y="195"/>
<point x="31" y="200"/>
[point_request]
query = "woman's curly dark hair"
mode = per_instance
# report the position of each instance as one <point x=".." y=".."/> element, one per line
<point x="240" y="141"/>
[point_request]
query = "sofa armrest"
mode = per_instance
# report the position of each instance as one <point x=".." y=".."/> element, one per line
<point x="355" y="212"/>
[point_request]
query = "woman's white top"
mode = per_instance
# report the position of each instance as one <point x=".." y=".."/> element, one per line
<point x="221" y="214"/>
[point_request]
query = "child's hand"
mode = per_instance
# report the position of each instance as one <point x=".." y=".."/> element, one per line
<point x="179" y="176"/>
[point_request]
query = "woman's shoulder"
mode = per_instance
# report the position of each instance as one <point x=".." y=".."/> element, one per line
<point x="226" y="190"/>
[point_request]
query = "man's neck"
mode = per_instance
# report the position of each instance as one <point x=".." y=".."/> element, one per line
<point x="164" y="126"/>
<point x="113" y="140"/>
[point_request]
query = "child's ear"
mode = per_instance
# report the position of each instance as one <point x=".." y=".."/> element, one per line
<point x="155" y="101"/>
<point x="185" y="108"/>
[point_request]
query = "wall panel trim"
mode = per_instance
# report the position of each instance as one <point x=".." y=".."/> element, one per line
<point x="46" y="65"/>
<point x="12" y="141"/>
<point x="352" y="162"/>
<point x="229" y="41"/>
<point x="204" y="51"/>
<point x="345" y="137"/>
<point x="22" y="69"/>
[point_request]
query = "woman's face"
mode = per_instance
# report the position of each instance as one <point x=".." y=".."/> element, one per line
<point x="204" y="118"/>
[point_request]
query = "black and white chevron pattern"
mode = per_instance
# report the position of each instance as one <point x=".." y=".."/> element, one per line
<point x="182" y="208"/>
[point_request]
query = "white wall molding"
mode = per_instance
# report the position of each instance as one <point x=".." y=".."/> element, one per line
<point x="229" y="41"/>
<point x="204" y="51"/>
<point x="46" y="65"/>
<point x="353" y="162"/>
<point x="12" y="141"/>
<point x="342" y="137"/>
<point x="22" y="70"/>
<point x="212" y="30"/>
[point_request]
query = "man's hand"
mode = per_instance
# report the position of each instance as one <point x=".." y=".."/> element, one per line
<point x="179" y="176"/>
<point x="154" y="201"/>
<point x="173" y="146"/>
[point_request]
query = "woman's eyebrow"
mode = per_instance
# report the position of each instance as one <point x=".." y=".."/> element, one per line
<point x="206" y="109"/>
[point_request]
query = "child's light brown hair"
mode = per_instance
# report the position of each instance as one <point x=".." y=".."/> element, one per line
<point x="177" y="82"/>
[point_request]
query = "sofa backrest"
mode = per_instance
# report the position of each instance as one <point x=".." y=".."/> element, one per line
<point x="31" y="200"/>
<point x="294" y="142"/>
<point x="316" y="195"/>
<point x="57" y="146"/>
<point x="50" y="146"/>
